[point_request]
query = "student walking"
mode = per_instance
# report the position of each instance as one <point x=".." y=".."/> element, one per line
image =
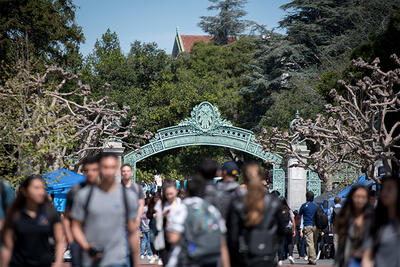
<point x="228" y="187"/>
<point x="163" y="208"/>
<point x="101" y="214"/>
<point x="30" y="224"/>
<point x="208" y="170"/>
<point x="299" y="239"/>
<point x="310" y="231"/>
<point x="90" y="168"/>
<point x="289" y="234"/>
<point x="196" y="230"/>
<point x="152" y="224"/>
<point x="352" y="224"/>
<point x="126" y="173"/>
<point x="145" y="241"/>
<point x="383" y="245"/>
<point x="254" y="224"/>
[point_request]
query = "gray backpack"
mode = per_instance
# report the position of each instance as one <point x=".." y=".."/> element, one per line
<point x="202" y="236"/>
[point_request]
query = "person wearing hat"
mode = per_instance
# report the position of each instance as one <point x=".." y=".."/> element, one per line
<point x="228" y="187"/>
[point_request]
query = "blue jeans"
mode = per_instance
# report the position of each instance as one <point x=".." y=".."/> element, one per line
<point x="145" y="243"/>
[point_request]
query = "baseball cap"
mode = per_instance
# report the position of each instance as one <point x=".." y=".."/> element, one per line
<point x="231" y="168"/>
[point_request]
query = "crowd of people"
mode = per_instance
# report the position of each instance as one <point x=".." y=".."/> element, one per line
<point x="199" y="223"/>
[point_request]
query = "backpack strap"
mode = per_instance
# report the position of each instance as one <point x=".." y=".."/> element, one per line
<point x="86" y="207"/>
<point x="126" y="204"/>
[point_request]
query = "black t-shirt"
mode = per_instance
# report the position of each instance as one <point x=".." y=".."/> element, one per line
<point x="32" y="246"/>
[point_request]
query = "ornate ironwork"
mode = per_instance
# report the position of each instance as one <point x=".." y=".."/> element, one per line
<point x="206" y="127"/>
<point x="313" y="183"/>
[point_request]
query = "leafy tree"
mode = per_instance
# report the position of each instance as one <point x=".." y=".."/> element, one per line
<point x="210" y="73"/>
<point x="275" y="63"/>
<point x="333" y="28"/>
<point x="285" y="104"/>
<point x="228" y="22"/>
<point x="44" y="29"/>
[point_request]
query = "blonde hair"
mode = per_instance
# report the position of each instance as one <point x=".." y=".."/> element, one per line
<point x="254" y="199"/>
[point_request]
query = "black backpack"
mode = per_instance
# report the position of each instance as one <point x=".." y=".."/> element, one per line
<point x="262" y="239"/>
<point x="321" y="219"/>
<point x="286" y="216"/>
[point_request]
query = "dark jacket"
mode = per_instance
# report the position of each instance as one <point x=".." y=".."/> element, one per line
<point x="238" y="234"/>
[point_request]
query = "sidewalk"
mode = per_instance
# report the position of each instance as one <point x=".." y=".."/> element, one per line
<point x="298" y="263"/>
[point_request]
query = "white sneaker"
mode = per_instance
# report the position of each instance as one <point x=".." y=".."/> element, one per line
<point x="142" y="257"/>
<point x="280" y="263"/>
<point x="319" y="254"/>
<point x="160" y="262"/>
<point x="149" y="257"/>
<point x="153" y="259"/>
<point x="306" y="258"/>
<point x="291" y="260"/>
<point x="67" y="255"/>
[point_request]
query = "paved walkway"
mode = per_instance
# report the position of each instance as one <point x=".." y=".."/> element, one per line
<point x="285" y="263"/>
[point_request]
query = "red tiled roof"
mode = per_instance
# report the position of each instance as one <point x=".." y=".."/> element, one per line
<point x="189" y="40"/>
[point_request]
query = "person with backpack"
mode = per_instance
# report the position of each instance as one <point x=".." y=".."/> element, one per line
<point x="101" y="216"/>
<point x="197" y="231"/>
<point x="227" y="188"/>
<point x="352" y="225"/>
<point x="255" y="224"/>
<point x="6" y="198"/>
<point x="126" y="173"/>
<point x="308" y="211"/>
<point x="290" y="232"/>
<point x="31" y="223"/>
<point x="90" y="168"/>
<point x="208" y="169"/>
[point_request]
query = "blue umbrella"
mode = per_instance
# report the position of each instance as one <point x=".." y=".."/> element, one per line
<point x="59" y="183"/>
<point x="343" y="194"/>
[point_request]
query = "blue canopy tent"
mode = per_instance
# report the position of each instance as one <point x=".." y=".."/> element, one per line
<point x="59" y="183"/>
<point x="343" y="194"/>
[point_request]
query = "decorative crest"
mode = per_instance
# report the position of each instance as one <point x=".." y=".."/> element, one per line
<point x="205" y="118"/>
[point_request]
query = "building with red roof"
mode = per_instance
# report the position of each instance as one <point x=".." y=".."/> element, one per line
<point x="184" y="43"/>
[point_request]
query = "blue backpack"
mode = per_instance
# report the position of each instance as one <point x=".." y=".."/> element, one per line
<point x="202" y="236"/>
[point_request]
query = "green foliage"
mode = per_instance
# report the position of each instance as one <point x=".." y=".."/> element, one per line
<point x="44" y="29"/>
<point x="161" y="90"/>
<point x="228" y="22"/>
<point x="382" y="45"/>
<point x="331" y="29"/>
<point x="285" y="104"/>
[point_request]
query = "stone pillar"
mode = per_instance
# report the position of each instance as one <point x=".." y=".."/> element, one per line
<point x="116" y="148"/>
<point x="297" y="180"/>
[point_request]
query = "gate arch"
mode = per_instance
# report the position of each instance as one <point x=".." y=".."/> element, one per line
<point x="206" y="127"/>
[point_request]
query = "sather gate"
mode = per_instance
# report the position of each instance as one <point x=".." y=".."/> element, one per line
<point x="206" y="127"/>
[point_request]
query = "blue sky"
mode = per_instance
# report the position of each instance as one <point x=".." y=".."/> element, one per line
<point x="156" y="20"/>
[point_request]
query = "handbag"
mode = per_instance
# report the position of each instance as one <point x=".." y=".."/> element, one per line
<point x="159" y="240"/>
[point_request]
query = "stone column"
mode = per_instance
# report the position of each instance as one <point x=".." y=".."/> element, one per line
<point x="115" y="147"/>
<point x="297" y="181"/>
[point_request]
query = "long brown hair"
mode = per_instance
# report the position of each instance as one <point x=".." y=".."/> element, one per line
<point x="347" y="213"/>
<point x="254" y="199"/>
<point x="16" y="207"/>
